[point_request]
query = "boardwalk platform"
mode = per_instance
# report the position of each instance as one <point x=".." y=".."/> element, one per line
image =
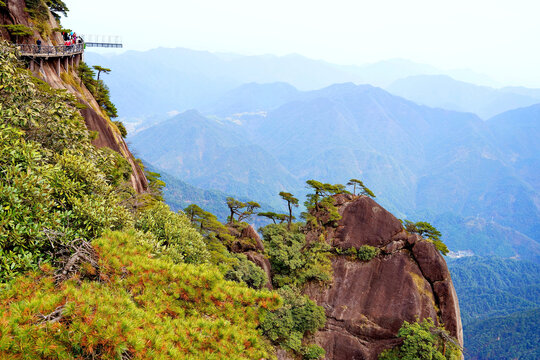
<point x="61" y="56"/>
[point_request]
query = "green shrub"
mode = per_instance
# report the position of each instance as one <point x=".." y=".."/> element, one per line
<point x="427" y="231"/>
<point x="121" y="128"/>
<point x="367" y="252"/>
<point x="312" y="352"/>
<point x="298" y="316"/>
<point x="143" y="308"/>
<point x="51" y="176"/>
<point x="173" y="231"/>
<point x="293" y="261"/>
<point x="422" y="341"/>
<point x="246" y="271"/>
<point x="98" y="89"/>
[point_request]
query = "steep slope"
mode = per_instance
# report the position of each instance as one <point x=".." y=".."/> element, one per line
<point x="445" y="92"/>
<point x="367" y="302"/>
<point x="17" y="13"/>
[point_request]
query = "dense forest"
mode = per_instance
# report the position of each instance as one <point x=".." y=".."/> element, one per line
<point x="499" y="301"/>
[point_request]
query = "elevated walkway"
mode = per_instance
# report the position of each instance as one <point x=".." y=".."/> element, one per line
<point x="65" y="56"/>
<point x="46" y="51"/>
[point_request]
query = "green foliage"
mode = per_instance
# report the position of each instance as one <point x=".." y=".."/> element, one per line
<point x="274" y="216"/>
<point x="363" y="253"/>
<point x="51" y="176"/>
<point x="247" y="272"/>
<point x="57" y="6"/>
<point x="489" y="287"/>
<point x="243" y="210"/>
<point x="173" y="232"/>
<point x="101" y="69"/>
<point x="155" y="184"/>
<point x="293" y="261"/>
<point x="143" y="308"/>
<point x="121" y="128"/>
<point x="423" y="341"/>
<point x="513" y="336"/>
<point x="427" y="230"/>
<point x="18" y="30"/>
<point x="363" y="190"/>
<point x="38" y="9"/>
<point x="287" y="325"/>
<point x="320" y="204"/>
<point x="97" y="88"/>
<point x="367" y="252"/>
<point x="291" y="201"/>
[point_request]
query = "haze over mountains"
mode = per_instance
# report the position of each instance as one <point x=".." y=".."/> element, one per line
<point x="263" y="124"/>
<point x="144" y="84"/>
<point x="423" y="163"/>
<point x="444" y="92"/>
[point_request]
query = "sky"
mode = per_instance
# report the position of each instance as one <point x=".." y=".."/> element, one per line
<point x="499" y="38"/>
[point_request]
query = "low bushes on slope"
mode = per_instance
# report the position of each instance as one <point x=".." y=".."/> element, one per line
<point x="51" y="176"/>
<point x="142" y="308"/>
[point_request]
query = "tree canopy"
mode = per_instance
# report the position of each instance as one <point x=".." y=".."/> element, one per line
<point x="291" y="201"/>
<point x="428" y="231"/>
<point x="243" y="210"/>
<point x="363" y="190"/>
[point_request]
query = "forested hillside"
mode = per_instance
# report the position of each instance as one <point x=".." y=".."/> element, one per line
<point x="499" y="301"/>
<point x="70" y="287"/>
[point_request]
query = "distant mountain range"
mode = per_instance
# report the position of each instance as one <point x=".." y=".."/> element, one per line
<point x="444" y="92"/>
<point x="158" y="81"/>
<point x="443" y="166"/>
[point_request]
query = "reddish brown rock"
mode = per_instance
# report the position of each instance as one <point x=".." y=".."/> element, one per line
<point x="430" y="261"/>
<point x="448" y="303"/>
<point x="250" y="233"/>
<point x="261" y="261"/>
<point x="368" y="301"/>
<point x="246" y="240"/>
<point x="109" y="137"/>
<point x="364" y="222"/>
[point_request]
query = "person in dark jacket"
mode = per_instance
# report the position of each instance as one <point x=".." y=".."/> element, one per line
<point x="38" y="43"/>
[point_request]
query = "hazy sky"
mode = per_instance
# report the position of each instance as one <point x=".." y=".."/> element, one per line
<point x="500" y="38"/>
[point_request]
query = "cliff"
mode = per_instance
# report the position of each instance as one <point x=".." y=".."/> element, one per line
<point x="367" y="302"/>
<point x="42" y="27"/>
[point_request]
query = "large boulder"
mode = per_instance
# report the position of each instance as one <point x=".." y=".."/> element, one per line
<point x="367" y="302"/>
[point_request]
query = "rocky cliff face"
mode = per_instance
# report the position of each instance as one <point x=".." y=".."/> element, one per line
<point x="108" y="135"/>
<point x="368" y="301"/>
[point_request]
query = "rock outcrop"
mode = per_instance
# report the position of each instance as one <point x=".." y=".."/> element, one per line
<point x="368" y="301"/>
<point x="15" y="13"/>
<point x="249" y="243"/>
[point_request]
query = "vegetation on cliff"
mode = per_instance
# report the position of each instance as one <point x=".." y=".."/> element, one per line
<point x="423" y="341"/>
<point x="141" y="307"/>
<point x="146" y="292"/>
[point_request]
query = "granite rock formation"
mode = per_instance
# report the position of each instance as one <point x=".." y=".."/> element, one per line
<point x="367" y="302"/>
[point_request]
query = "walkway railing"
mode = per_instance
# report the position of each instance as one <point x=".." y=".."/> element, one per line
<point x="107" y="41"/>
<point x="48" y="51"/>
